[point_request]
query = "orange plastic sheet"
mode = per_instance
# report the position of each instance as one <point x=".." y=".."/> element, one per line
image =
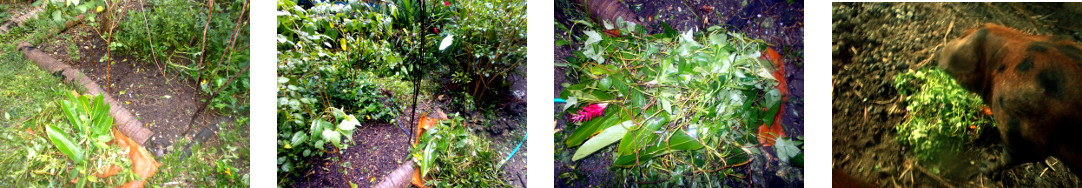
<point x="143" y="164"/>
<point x="768" y="133"/>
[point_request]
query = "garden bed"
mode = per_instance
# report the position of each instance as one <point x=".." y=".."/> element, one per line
<point x="163" y="98"/>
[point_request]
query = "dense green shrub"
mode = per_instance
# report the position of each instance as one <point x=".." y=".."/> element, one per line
<point x="329" y="61"/>
<point x="478" y="43"/>
<point x="175" y="30"/>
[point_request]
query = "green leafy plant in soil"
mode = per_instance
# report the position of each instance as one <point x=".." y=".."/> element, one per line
<point x="450" y="155"/>
<point x="942" y="115"/>
<point x="681" y="107"/>
<point x="64" y="144"/>
<point x="170" y="35"/>
<point x="328" y="80"/>
<point x="479" y="43"/>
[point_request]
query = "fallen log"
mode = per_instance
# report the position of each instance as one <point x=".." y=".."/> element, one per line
<point x="398" y="178"/>
<point x="609" y="10"/>
<point x="124" y="120"/>
<point x="18" y="21"/>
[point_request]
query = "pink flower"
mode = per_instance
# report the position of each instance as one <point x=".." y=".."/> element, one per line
<point x="445" y="3"/>
<point x="589" y="112"/>
<point x="436" y="30"/>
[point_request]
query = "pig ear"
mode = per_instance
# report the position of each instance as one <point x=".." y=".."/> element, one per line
<point x="962" y="56"/>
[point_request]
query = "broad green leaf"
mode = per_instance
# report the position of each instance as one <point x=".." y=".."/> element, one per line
<point x="650" y="152"/>
<point x="637" y="99"/>
<point x="348" y="123"/>
<point x="588" y="128"/>
<point x="64" y="144"/>
<point x="605" y="138"/>
<point x="561" y="42"/>
<point x="592" y="37"/>
<point x="317" y="128"/>
<point x="786" y="149"/>
<point x="643" y="136"/>
<point x="681" y="141"/>
<point x="56" y="16"/>
<point x="298" y="138"/>
<point x="333" y="136"/>
<point x="602" y="95"/>
<point x="571" y="101"/>
<point x="446" y="42"/>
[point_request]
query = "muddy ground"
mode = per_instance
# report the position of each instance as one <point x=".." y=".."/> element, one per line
<point x="873" y="42"/>
<point x="778" y="22"/>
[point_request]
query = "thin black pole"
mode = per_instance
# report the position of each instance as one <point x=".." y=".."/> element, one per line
<point x="416" y="65"/>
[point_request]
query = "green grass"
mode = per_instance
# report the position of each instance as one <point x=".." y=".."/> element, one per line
<point x="208" y="166"/>
<point x="25" y="89"/>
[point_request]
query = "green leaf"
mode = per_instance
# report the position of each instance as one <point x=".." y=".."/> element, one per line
<point x="317" y="128"/>
<point x="64" y="144"/>
<point x="333" y="137"/>
<point x="637" y="99"/>
<point x="298" y="139"/>
<point x="348" y="123"/>
<point x="681" y="141"/>
<point x="56" y="17"/>
<point x="605" y="138"/>
<point x="592" y="37"/>
<point x="651" y="152"/>
<point x="562" y="42"/>
<point x="786" y="149"/>
<point x="571" y="101"/>
<point x="446" y="42"/>
<point x="641" y="137"/>
<point x="593" y="126"/>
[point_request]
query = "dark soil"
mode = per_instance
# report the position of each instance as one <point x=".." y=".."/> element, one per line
<point x="873" y="42"/>
<point x="165" y="102"/>
<point x="376" y="151"/>
<point x="777" y="22"/>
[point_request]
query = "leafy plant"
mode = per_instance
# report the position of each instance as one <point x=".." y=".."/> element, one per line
<point x="450" y="155"/>
<point x="60" y="12"/>
<point x="163" y="34"/>
<point x="941" y="113"/>
<point x="477" y="43"/>
<point x="92" y="127"/>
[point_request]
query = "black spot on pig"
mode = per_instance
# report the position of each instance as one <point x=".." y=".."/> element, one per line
<point x="1025" y="65"/>
<point x="1038" y="47"/>
<point x="1052" y="81"/>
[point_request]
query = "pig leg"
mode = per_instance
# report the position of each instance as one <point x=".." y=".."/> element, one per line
<point x="1016" y="149"/>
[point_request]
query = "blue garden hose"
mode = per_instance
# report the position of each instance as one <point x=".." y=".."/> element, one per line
<point x="512" y="152"/>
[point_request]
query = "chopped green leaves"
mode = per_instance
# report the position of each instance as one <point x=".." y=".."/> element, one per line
<point x="605" y="138"/>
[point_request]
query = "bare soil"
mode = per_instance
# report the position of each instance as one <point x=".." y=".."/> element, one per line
<point x="873" y="42"/>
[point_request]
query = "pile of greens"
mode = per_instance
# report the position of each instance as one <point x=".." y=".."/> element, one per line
<point x="450" y="155"/>
<point x="682" y="106"/>
<point x="940" y="112"/>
